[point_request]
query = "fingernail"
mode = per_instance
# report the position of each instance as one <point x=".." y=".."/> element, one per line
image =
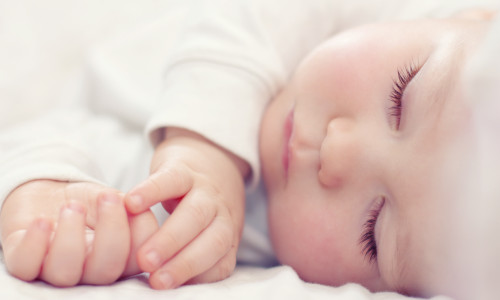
<point x="110" y="199"/>
<point x="44" y="225"/>
<point x="71" y="208"/>
<point x="166" y="280"/>
<point x="153" y="258"/>
<point x="135" y="201"/>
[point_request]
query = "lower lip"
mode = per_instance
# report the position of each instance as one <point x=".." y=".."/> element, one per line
<point x="288" y="130"/>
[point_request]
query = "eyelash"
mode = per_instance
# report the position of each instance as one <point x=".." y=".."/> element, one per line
<point x="404" y="77"/>
<point x="367" y="239"/>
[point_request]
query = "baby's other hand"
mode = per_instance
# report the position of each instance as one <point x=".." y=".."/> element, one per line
<point x="70" y="233"/>
<point x="202" y="187"/>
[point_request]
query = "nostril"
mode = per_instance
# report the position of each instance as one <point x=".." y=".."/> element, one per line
<point x="328" y="180"/>
<point x="338" y="152"/>
<point x="328" y="175"/>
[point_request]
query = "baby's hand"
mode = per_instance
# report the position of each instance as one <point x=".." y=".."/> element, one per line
<point x="71" y="233"/>
<point x="202" y="187"/>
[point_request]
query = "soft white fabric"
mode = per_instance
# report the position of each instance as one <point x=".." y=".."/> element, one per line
<point x="246" y="283"/>
<point x="118" y="72"/>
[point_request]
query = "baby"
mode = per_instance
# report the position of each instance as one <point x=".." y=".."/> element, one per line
<point x="364" y="124"/>
<point x="364" y="187"/>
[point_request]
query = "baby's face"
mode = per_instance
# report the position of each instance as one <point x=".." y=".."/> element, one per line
<point x="359" y="153"/>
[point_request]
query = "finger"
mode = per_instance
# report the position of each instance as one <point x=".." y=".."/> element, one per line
<point x="106" y="262"/>
<point x="196" y="258"/>
<point x="221" y="270"/>
<point x="142" y="227"/>
<point x="162" y="185"/>
<point x="25" y="251"/>
<point x="87" y="193"/>
<point x="191" y="218"/>
<point x="64" y="262"/>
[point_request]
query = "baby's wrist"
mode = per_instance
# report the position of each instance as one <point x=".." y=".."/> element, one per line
<point x="181" y="135"/>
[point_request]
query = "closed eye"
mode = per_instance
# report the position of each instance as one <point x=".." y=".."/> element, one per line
<point x="367" y="239"/>
<point x="400" y="83"/>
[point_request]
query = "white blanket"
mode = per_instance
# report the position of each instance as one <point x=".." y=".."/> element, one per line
<point x="245" y="283"/>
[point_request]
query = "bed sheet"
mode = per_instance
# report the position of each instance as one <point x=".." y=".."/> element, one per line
<point x="246" y="283"/>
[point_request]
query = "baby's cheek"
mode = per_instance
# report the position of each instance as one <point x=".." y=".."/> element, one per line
<point x="299" y="241"/>
<point x="319" y="242"/>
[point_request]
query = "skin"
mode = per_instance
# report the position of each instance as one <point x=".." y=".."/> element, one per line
<point x="342" y="153"/>
<point x="202" y="186"/>
<point x="69" y="233"/>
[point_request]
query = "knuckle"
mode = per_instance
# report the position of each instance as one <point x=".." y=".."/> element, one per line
<point x="188" y="267"/>
<point x="80" y="190"/>
<point x="222" y="239"/>
<point x="158" y="250"/>
<point x="215" y="192"/>
<point x="179" y="175"/>
<point x="176" y="174"/>
<point x="162" y="242"/>
<point x="171" y="240"/>
<point x="199" y="215"/>
<point x="226" y="268"/>
<point x="155" y="183"/>
<point x="161" y="179"/>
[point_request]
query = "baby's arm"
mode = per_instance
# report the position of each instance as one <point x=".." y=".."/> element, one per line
<point x="76" y="222"/>
<point x="202" y="186"/>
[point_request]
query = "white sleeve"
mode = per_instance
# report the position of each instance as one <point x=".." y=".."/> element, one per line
<point x="67" y="145"/>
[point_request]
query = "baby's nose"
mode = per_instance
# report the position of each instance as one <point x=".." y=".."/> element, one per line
<point x="340" y="152"/>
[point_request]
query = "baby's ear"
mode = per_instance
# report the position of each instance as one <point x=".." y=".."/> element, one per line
<point x="476" y="14"/>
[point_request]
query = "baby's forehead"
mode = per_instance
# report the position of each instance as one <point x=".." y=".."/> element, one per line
<point x="482" y="72"/>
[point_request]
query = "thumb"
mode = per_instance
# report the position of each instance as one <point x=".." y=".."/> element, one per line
<point x="164" y="184"/>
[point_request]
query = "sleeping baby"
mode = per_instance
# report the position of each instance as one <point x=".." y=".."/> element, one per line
<point x="361" y="154"/>
<point x="375" y="135"/>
